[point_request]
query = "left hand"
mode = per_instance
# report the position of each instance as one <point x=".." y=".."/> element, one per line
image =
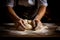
<point x="36" y="22"/>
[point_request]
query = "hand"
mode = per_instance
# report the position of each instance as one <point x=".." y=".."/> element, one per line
<point x="20" y="25"/>
<point x="36" y="24"/>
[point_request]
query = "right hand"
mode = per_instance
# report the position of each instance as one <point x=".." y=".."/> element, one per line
<point x="20" y="25"/>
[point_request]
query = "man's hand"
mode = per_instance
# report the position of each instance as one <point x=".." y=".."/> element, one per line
<point x="39" y="16"/>
<point x="36" y="24"/>
<point x="20" y="24"/>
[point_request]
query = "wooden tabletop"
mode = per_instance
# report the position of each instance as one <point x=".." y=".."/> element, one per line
<point x="14" y="33"/>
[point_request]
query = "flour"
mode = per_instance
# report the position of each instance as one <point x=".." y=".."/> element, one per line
<point x="40" y="29"/>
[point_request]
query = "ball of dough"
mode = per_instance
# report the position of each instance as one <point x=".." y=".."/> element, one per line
<point x="29" y="21"/>
<point x="25" y="21"/>
<point x="28" y="25"/>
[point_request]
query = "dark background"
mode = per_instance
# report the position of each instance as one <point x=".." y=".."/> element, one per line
<point x="52" y="14"/>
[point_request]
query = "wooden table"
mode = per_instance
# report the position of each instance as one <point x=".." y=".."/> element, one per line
<point x="4" y="33"/>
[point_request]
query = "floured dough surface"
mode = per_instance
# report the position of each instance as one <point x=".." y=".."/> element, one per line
<point x="27" y="24"/>
<point x="40" y="29"/>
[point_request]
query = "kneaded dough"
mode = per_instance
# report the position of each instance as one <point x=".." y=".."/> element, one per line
<point x="29" y="21"/>
<point x="41" y="29"/>
<point x="28" y="25"/>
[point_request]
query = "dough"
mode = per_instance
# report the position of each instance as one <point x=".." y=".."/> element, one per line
<point x="29" y="21"/>
<point x="39" y="29"/>
<point x="27" y="24"/>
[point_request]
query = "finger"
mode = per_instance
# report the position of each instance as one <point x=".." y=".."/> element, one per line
<point x="19" y="27"/>
<point x="34" y="24"/>
<point x="22" y="24"/>
<point x="40" y="24"/>
<point x="38" y="27"/>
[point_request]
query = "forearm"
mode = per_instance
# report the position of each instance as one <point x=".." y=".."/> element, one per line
<point x="41" y="13"/>
<point x="13" y="14"/>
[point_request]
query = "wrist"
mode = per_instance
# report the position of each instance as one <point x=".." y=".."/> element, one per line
<point x="37" y="18"/>
<point x="17" y="19"/>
